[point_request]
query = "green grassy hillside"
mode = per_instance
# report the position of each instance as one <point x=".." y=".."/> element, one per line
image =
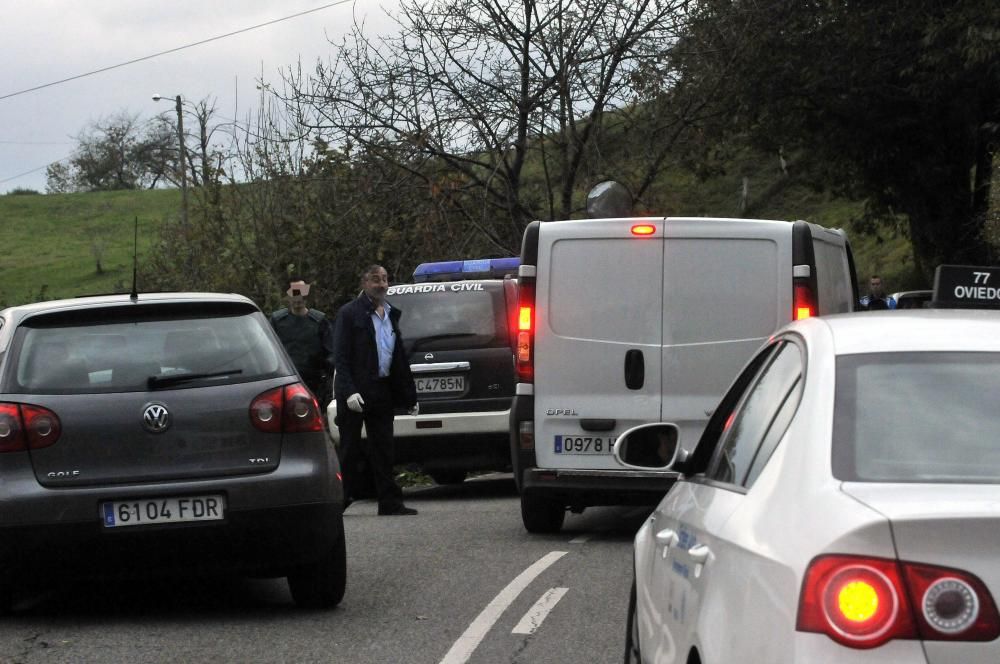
<point x="51" y="242"/>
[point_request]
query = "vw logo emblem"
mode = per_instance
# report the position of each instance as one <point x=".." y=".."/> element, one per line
<point x="156" y="418"/>
<point x="429" y="356"/>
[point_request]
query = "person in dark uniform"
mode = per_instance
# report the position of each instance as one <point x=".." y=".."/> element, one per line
<point x="877" y="300"/>
<point x="372" y="380"/>
<point x="307" y="337"/>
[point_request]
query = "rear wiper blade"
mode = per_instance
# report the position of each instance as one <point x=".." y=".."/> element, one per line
<point x="164" y="381"/>
<point x="436" y="337"/>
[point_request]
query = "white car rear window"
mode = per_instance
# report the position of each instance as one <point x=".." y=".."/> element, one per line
<point x="917" y="417"/>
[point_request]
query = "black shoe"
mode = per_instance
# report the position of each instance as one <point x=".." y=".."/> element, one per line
<point x="396" y="510"/>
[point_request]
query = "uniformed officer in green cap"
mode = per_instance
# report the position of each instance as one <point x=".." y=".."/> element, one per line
<point x="308" y="339"/>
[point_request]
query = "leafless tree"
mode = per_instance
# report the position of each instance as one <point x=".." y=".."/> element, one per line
<point x="483" y="99"/>
<point x="203" y="150"/>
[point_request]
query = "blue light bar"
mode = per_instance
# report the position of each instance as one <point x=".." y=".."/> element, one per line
<point x="481" y="268"/>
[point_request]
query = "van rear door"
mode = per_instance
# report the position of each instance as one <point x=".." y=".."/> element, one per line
<point x="727" y="287"/>
<point x="597" y="337"/>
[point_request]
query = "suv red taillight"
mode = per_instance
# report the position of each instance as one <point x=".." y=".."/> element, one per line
<point x="288" y="409"/>
<point x="525" y="347"/>
<point x="865" y="602"/>
<point x="24" y="426"/>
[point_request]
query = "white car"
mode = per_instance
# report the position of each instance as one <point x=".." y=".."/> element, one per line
<point x="842" y="505"/>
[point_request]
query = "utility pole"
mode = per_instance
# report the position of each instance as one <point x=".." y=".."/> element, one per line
<point x="180" y="139"/>
<point x="182" y="158"/>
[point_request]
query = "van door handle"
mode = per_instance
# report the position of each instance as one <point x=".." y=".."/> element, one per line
<point x="635" y="369"/>
<point x="591" y="424"/>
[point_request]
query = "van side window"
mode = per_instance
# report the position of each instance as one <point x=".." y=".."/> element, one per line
<point x="751" y="420"/>
<point x="833" y="277"/>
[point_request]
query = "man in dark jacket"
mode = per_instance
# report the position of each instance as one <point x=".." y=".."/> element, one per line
<point x="877" y="300"/>
<point x="307" y="337"/>
<point x="372" y="379"/>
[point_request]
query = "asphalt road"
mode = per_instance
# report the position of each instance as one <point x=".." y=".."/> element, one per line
<point x="460" y="582"/>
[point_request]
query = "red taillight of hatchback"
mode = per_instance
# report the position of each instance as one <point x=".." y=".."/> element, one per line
<point x="865" y="602"/>
<point x="288" y="409"/>
<point x="25" y="426"/>
<point x="12" y="437"/>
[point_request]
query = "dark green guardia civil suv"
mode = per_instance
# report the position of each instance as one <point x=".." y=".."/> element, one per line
<point x="162" y="431"/>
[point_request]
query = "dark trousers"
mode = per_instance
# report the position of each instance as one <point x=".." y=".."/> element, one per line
<point x="376" y="450"/>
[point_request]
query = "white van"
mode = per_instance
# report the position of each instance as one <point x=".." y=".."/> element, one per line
<point x="634" y="320"/>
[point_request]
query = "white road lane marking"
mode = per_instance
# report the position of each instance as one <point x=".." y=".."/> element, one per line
<point x="532" y="620"/>
<point x="580" y="540"/>
<point x="466" y="644"/>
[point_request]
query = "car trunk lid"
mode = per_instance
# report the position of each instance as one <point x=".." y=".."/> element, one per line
<point x="944" y="525"/>
<point x="148" y="436"/>
<point x="148" y="391"/>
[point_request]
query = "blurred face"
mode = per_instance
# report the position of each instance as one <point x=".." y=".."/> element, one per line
<point x="875" y="286"/>
<point x="297" y="291"/>
<point x="376" y="283"/>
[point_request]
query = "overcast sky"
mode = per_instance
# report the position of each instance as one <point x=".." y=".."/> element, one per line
<point x="42" y="41"/>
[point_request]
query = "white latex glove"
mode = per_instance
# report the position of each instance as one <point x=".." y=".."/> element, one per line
<point x="355" y="402"/>
<point x="414" y="410"/>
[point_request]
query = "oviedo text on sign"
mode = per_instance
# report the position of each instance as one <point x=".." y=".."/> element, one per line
<point x="966" y="286"/>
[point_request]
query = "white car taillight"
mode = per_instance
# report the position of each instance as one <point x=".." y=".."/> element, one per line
<point x="864" y="602"/>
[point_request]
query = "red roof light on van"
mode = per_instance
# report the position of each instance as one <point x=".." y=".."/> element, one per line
<point x="643" y="229"/>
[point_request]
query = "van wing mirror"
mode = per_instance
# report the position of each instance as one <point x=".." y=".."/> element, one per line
<point x="649" y="447"/>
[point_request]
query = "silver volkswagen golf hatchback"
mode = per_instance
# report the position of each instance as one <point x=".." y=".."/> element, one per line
<point x="162" y="431"/>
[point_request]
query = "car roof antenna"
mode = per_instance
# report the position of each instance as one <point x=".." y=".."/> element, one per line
<point x="134" y="295"/>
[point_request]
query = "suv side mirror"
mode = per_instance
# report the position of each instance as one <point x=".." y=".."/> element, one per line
<point x="649" y="447"/>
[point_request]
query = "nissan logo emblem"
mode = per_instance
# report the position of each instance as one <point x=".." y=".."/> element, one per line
<point x="429" y="356"/>
<point x="156" y="418"/>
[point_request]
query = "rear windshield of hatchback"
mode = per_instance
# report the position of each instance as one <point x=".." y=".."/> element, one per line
<point x="917" y="417"/>
<point x="144" y="353"/>
<point x="438" y="316"/>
